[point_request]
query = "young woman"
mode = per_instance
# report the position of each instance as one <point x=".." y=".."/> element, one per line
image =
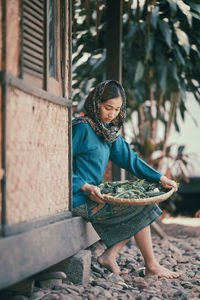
<point x="96" y="139"/>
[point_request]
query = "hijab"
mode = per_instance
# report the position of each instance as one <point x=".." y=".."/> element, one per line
<point x="111" y="131"/>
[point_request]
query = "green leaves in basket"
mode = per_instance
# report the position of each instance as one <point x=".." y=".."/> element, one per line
<point x="131" y="189"/>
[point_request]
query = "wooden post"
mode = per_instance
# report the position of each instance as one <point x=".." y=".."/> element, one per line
<point x="114" y="53"/>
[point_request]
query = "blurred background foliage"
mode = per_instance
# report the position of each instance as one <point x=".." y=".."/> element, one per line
<point x="160" y="64"/>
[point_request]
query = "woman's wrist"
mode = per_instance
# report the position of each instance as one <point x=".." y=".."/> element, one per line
<point x="85" y="187"/>
<point x="163" y="178"/>
<point x="168" y="183"/>
<point x="93" y="192"/>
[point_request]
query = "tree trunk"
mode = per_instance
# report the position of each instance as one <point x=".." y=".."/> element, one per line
<point x="175" y="97"/>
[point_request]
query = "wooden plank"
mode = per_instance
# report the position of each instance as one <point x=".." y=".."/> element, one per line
<point x="32" y="19"/>
<point x="32" y="33"/>
<point x="26" y="254"/>
<point x="13" y="229"/>
<point x="36" y="28"/>
<point x="38" y="92"/>
<point x="30" y="45"/>
<point x="33" y="73"/>
<point x="33" y="53"/>
<point x="35" y="14"/>
<point x="34" y="6"/>
<point x="40" y="3"/>
<point x="33" y="39"/>
<point x="34" y="60"/>
<point x="33" y="67"/>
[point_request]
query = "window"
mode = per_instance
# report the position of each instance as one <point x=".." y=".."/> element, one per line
<point x="33" y="38"/>
<point x="42" y="44"/>
<point x="52" y="38"/>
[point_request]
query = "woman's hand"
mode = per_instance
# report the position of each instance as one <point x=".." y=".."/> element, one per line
<point x="93" y="192"/>
<point x="168" y="183"/>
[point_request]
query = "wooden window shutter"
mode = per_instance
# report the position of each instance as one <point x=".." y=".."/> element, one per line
<point x="33" y="37"/>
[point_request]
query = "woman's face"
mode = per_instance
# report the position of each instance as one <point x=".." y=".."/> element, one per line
<point x="110" y="109"/>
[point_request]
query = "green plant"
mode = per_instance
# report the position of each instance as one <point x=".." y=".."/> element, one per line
<point x="161" y="58"/>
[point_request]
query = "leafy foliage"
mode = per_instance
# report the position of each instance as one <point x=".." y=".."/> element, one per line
<point x="131" y="189"/>
<point x="161" y="47"/>
<point x="161" y="58"/>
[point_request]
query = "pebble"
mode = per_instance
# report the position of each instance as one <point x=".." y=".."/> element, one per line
<point x="178" y="254"/>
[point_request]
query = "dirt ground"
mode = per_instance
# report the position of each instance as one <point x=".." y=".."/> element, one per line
<point x="181" y="227"/>
<point x="178" y="251"/>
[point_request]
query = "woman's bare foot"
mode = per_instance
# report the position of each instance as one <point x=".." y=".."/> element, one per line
<point x="110" y="263"/>
<point x="157" y="269"/>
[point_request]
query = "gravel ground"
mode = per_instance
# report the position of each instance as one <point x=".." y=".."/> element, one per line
<point x="180" y="252"/>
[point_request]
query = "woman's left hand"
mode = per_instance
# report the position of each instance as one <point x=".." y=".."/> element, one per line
<point x="168" y="183"/>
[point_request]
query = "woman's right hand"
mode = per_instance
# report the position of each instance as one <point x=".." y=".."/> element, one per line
<point x="93" y="192"/>
<point x="168" y="183"/>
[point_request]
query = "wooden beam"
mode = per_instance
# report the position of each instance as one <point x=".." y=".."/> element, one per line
<point x="114" y="40"/>
<point x="114" y="53"/>
<point x="26" y="254"/>
<point x="27" y="88"/>
<point x="22" y="227"/>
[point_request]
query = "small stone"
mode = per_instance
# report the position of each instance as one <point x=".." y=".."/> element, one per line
<point x="97" y="268"/>
<point x="156" y="284"/>
<point x="72" y="291"/>
<point x="59" y="287"/>
<point x="50" y="275"/>
<point x="164" y="296"/>
<point x="107" y="294"/>
<point x="187" y="284"/>
<point x="37" y="294"/>
<point x="131" y="266"/>
<point x="152" y="278"/>
<point x="140" y="298"/>
<point x="190" y="274"/>
<point x="172" y="262"/>
<point x="91" y="297"/>
<point x="115" y="278"/>
<point x="139" y="283"/>
<point x="51" y="297"/>
<point x="50" y="283"/>
<point x="196" y="281"/>
<point x="174" y="283"/>
<point x="65" y="297"/>
<point x="182" y="259"/>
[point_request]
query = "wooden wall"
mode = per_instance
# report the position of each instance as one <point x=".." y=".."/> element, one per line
<point x="37" y="157"/>
<point x="37" y="229"/>
<point x="37" y="131"/>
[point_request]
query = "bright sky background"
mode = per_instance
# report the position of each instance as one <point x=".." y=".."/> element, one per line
<point x="189" y="134"/>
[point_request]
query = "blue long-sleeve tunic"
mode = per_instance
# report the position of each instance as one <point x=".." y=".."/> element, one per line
<point x="90" y="157"/>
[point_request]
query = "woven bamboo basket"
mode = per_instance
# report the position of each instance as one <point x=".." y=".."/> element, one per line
<point x="139" y="201"/>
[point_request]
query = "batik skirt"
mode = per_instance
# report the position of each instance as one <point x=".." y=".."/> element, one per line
<point x="115" y="223"/>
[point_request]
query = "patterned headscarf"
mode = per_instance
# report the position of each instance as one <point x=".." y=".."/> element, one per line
<point x="109" y="132"/>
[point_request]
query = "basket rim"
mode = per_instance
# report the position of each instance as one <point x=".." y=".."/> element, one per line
<point x="139" y="201"/>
